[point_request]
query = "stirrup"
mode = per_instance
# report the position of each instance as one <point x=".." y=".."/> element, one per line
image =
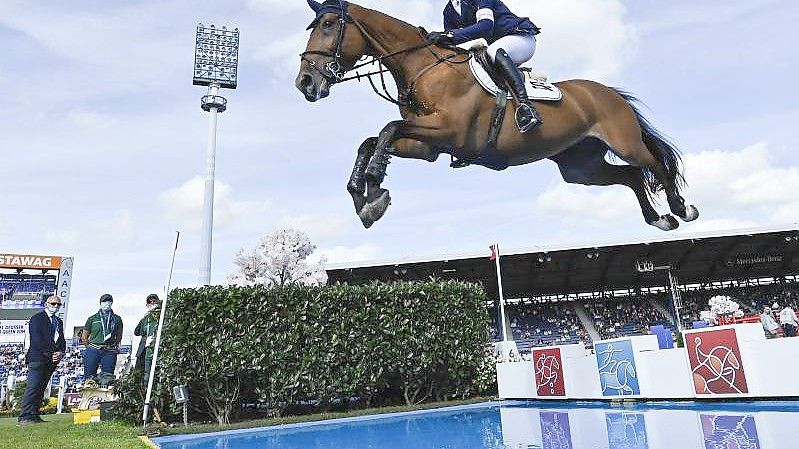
<point x="535" y="120"/>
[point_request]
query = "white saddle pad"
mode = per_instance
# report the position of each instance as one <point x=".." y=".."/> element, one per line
<point x="536" y="89"/>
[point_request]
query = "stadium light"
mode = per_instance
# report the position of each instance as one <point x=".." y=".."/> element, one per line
<point x="216" y="65"/>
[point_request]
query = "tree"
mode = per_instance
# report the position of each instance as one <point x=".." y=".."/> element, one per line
<point x="280" y="258"/>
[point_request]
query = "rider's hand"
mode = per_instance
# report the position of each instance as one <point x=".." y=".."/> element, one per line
<point x="440" y="38"/>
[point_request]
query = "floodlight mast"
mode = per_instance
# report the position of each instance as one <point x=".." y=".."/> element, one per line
<point x="216" y="59"/>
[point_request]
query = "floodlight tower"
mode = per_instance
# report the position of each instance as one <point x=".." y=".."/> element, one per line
<point x="216" y="64"/>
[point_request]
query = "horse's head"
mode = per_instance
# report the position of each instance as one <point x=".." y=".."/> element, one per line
<point x="335" y="45"/>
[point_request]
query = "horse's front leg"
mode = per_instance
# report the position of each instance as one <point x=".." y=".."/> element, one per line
<point x="414" y="134"/>
<point x="357" y="184"/>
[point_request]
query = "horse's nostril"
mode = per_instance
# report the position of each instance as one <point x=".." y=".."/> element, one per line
<point x="306" y="81"/>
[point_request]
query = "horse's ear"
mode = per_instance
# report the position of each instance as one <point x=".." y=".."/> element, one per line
<point x="316" y="6"/>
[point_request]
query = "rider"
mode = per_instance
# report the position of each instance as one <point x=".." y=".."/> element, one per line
<point x="511" y="42"/>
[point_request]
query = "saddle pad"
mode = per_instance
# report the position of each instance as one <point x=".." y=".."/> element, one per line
<point x="536" y="90"/>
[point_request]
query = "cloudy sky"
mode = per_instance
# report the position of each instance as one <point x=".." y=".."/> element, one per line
<point x="104" y="139"/>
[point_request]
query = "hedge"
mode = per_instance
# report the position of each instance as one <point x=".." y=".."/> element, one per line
<point x="325" y="347"/>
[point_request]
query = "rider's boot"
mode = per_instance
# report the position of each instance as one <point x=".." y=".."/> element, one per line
<point x="527" y="117"/>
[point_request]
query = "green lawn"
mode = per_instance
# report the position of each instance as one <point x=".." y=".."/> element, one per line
<point x="59" y="432"/>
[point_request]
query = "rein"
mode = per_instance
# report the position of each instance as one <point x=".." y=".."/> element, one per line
<point x="335" y="73"/>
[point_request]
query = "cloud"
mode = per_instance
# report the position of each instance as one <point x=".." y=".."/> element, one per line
<point x="277" y="6"/>
<point x="343" y="254"/>
<point x="749" y="180"/>
<point x="184" y="205"/>
<point x="115" y="232"/>
<point x="91" y="120"/>
<point x="317" y="227"/>
<point x="732" y="189"/>
<point x="586" y="203"/>
<point x="580" y="38"/>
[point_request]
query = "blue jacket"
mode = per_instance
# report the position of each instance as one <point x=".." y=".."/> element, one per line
<point x="465" y="26"/>
<point x="41" y="331"/>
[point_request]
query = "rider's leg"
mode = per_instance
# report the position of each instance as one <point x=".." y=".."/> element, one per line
<point x="508" y="53"/>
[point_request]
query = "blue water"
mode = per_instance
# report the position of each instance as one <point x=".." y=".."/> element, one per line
<point x="532" y="425"/>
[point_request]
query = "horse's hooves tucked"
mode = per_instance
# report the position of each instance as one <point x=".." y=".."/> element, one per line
<point x="666" y="223"/>
<point x="373" y="210"/>
<point x="691" y="213"/>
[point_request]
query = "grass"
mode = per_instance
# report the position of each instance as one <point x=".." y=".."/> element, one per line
<point x="60" y="433"/>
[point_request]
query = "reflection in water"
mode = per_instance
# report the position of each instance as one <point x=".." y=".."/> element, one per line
<point x="555" y="431"/>
<point x="536" y="425"/>
<point x="626" y="430"/>
<point x="729" y="432"/>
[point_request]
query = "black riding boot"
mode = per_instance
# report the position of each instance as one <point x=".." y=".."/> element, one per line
<point x="527" y="117"/>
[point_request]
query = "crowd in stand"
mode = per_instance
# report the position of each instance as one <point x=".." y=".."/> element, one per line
<point x="555" y="323"/>
<point x="71" y="366"/>
<point x="545" y="325"/>
<point x="614" y="319"/>
<point x="752" y="299"/>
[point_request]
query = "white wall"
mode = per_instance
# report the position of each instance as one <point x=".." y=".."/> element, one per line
<point x="770" y="366"/>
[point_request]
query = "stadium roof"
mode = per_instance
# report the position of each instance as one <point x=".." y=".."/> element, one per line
<point x="545" y="271"/>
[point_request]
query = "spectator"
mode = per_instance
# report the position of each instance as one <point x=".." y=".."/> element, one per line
<point x="47" y="346"/>
<point x="788" y="321"/>
<point x="769" y="323"/>
<point x="146" y="329"/>
<point x="101" y="336"/>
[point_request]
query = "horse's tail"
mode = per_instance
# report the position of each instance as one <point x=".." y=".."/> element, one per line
<point x="659" y="146"/>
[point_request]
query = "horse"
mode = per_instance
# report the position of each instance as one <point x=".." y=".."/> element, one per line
<point x="445" y="111"/>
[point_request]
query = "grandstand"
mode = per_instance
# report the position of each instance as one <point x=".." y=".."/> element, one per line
<point x="559" y="295"/>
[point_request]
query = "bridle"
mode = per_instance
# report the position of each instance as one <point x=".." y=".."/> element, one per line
<point x="334" y="72"/>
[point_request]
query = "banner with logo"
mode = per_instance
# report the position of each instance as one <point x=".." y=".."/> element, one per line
<point x="549" y="372"/>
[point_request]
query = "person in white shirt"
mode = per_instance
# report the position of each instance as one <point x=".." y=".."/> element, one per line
<point x="788" y="321"/>
<point x="769" y="323"/>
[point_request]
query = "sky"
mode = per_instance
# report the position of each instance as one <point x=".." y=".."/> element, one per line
<point x="104" y="138"/>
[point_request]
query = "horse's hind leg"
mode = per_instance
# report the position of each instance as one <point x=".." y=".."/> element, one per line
<point x="584" y="163"/>
<point x="636" y="142"/>
<point x="357" y="184"/>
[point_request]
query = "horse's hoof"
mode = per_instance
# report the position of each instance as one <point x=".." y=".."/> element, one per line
<point x="691" y="213"/>
<point x="666" y="223"/>
<point x="374" y="210"/>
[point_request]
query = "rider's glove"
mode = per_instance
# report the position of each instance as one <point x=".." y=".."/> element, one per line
<point x="440" y="38"/>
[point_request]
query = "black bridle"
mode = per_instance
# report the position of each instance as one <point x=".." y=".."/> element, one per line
<point x="334" y="72"/>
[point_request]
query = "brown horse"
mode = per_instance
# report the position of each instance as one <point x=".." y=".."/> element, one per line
<point x="444" y="110"/>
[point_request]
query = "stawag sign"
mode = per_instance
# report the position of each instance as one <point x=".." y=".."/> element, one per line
<point x="29" y="261"/>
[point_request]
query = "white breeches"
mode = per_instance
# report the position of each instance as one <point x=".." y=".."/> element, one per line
<point x="520" y="47"/>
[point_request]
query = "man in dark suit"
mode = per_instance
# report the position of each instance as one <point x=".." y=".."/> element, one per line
<point x="47" y="346"/>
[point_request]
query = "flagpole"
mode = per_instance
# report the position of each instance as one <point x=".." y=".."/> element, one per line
<point x="501" y="296"/>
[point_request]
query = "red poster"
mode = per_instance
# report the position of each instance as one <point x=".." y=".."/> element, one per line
<point x="549" y="372"/>
<point x="716" y="362"/>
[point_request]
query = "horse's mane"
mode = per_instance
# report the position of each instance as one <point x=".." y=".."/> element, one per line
<point x="420" y="31"/>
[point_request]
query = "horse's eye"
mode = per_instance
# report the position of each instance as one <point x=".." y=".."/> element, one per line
<point x="327" y="24"/>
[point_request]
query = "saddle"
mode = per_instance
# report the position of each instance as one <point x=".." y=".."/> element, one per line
<point x="486" y="75"/>
<point x="538" y="88"/>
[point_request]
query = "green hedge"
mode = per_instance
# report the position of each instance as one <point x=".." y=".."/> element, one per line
<point x="325" y="347"/>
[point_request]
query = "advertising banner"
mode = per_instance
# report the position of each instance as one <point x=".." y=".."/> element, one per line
<point x="716" y="362"/>
<point x="29" y="261"/>
<point x="549" y="372"/>
<point x="13" y="331"/>
<point x="618" y="374"/>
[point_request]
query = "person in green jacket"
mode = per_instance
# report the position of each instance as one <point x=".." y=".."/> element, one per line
<point x="146" y="329"/>
<point x="102" y="334"/>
